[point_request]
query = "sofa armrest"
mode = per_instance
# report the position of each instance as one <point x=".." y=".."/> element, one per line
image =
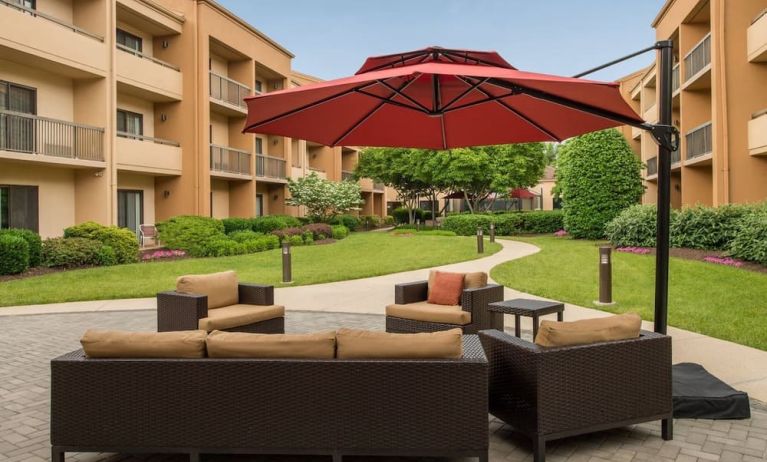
<point x="177" y="311"/>
<point x="475" y="301"/>
<point x="256" y="294"/>
<point x="411" y="292"/>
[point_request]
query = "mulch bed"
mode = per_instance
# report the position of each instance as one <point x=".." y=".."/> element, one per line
<point x="700" y="255"/>
<point x="37" y="271"/>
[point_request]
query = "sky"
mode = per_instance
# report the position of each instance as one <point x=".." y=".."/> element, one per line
<point x="331" y="38"/>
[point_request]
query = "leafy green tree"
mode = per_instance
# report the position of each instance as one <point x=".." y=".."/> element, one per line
<point x="598" y="176"/>
<point x="322" y="198"/>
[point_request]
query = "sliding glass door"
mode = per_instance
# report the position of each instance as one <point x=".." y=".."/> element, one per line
<point x="130" y="209"/>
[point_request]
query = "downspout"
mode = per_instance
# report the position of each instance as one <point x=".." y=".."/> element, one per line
<point x="725" y="157"/>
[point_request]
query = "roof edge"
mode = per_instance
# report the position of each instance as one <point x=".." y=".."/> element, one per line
<point x="663" y="10"/>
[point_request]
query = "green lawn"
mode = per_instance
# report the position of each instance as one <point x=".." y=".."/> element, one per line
<point x="358" y="256"/>
<point x="715" y="300"/>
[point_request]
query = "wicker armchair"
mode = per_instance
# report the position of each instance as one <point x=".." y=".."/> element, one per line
<point x="474" y="301"/>
<point x="552" y="393"/>
<point x="181" y="311"/>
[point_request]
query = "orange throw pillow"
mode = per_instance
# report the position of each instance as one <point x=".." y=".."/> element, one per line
<point x="447" y="288"/>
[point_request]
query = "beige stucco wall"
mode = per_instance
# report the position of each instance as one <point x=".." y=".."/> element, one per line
<point x="143" y="183"/>
<point x="146" y="38"/>
<point x="140" y="106"/>
<point x="220" y="198"/>
<point x="54" y="93"/>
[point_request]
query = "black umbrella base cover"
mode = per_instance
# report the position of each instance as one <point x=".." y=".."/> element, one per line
<point x="699" y="395"/>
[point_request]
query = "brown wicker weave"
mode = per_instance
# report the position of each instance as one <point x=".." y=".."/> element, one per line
<point x="271" y="406"/>
<point x="177" y="311"/>
<point x="552" y="393"/>
<point x="474" y="301"/>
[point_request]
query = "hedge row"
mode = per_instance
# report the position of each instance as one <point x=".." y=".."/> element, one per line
<point x="740" y="230"/>
<point x="506" y="224"/>
<point x="122" y="240"/>
<point x="264" y="225"/>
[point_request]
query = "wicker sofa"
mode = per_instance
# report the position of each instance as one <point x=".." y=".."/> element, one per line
<point x="473" y="311"/>
<point x="556" y="392"/>
<point x="334" y="407"/>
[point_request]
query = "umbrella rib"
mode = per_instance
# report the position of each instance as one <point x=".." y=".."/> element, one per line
<point x="400" y="93"/>
<point x="464" y="93"/>
<point x="411" y="55"/>
<point x="481" y="101"/>
<point x="393" y="103"/>
<point x="444" y="135"/>
<point x="469" y="58"/>
<point x="517" y="112"/>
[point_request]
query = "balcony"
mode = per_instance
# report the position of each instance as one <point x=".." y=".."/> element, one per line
<point x="757" y="134"/>
<point x="676" y="159"/>
<point x="318" y="172"/>
<point x="271" y="168"/>
<point x="378" y="186"/>
<point x="636" y="133"/>
<point x="144" y="154"/>
<point x="675" y="79"/>
<point x="347" y="175"/>
<point x="228" y="162"/>
<point x="147" y="77"/>
<point x="651" y="113"/>
<point x="757" y="39"/>
<point x="699" y="145"/>
<point x="652" y="168"/>
<point x="56" y="142"/>
<point x="227" y="96"/>
<point x="697" y="65"/>
<point x="44" y="41"/>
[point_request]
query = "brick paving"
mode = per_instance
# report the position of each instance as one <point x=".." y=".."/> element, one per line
<point x="28" y="342"/>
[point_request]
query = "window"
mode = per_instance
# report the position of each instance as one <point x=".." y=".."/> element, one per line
<point x="259" y="87"/>
<point x="19" y="207"/>
<point x="130" y="209"/>
<point x="17" y="133"/>
<point x="259" y="205"/>
<point x="259" y="146"/>
<point x="130" y="123"/>
<point x="129" y="40"/>
<point x="4" y="218"/>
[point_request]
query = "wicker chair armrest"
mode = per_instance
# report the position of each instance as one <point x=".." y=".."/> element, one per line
<point x="256" y="294"/>
<point x="411" y="292"/>
<point x="178" y="311"/>
<point x="476" y="300"/>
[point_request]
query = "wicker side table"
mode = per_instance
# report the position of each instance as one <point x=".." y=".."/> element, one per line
<point x="527" y="307"/>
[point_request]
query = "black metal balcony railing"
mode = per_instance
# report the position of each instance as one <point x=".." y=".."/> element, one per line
<point x="33" y="12"/>
<point x="148" y="138"/>
<point x="675" y="78"/>
<point x="699" y="141"/>
<point x="32" y="134"/>
<point x="698" y="58"/>
<point x="272" y="167"/>
<point x="228" y="160"/>
<point x="378" y="186"/>
<point x="652" y="166"/>
<point x="139" y="54"/>
<point x="347" y="175"/>
<point x="228" y="90"/>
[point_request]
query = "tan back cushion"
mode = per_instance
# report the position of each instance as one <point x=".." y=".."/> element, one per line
<point x="586" y="331"/>
<point x="320" y="345"/>
<point x="355" y="343"/>
<point x="122" y="344"/>
<point x="221" y="288"/>
<point x="475" y="280"/>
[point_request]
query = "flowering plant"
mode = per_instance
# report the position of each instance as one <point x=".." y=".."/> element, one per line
<point x="634" y="250"/>
<point x="561" y="233"/>
<point x="158" y="254"/>
<point x="724" y="261"/>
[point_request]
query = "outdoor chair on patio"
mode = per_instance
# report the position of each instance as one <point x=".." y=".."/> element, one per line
<point x="218" y="302"/>
<point x="148" y="233"/>
<point x="412" y="312"/>
<point x="548" y="393"/>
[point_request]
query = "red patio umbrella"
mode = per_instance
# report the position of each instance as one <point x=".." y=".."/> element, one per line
<point x="522" y="193"/>
<point x="439" y="98"/>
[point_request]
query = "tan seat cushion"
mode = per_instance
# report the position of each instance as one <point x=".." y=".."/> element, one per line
<point x="228" y="317"/>
<point x="587" y="331"/>
<point x="424" y="311"/>
<point x="355" y="343"/>
<point x="221" y="288"/>
<point x="319" y="345"/>
<point x="123" y="344"/>
<point x="470" y="281"/>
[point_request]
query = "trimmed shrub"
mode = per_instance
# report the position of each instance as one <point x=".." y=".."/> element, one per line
<point x="260" y="243"/>
<point x="349" y="221"/>
<point x="507" y="224"/>
<point x="339" y="232"/>
<point x="750" y="242"/>
<point x="708" y="228"/>
<point x="424" y="232"/>
<point x="123" y="241"/>
<point x="370" y="221"/>
<point x="32" y="238"/>
<point x="14" y="254"/>
<point x="270" y="223"/>
<point x="282" y="234"/>
<point x="598" y="176"/>
<point x="235" y="224"/>
<point x="308" y="238"/>
<point x="540" y="221"/>
<point x="319" y="231"/>
<point x="242" y="236"/>
<point x="223" y="247"/>
<point x="466" y="225"/>
<point x="190" y="233"/>
<point x="634" y="227"/>
<point x="295" y="240"/>
<point x="290" y="221"/>
<point x="388" y="220"/>
<point x="401" y="215"/>
<point x="71" y="252"/>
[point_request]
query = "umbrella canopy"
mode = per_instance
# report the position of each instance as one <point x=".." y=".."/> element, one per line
<point x="522" y="193"/>
<point x="439" y="98"/>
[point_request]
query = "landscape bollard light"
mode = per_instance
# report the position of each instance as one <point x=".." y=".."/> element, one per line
<point x="480" y="241"/>
<point x="492" y="232"/>
<point x="417" y="224"/>
<point x="287" y="266"/>
<point x="605" y="276"/>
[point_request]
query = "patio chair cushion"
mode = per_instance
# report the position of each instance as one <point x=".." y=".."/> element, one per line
<point x="355" y="343"/>
<point x="319" y="345"/>
<point x="221" y="288"/>
<point x="231" y="316"/>
<point x="429" y="312"/>
<point x="587" y="331"/>
<point x="474" y="280"/>
<point x="123" y="344"/>
<point x="447" y="288"/>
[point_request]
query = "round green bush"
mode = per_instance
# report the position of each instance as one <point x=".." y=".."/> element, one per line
<point x="340" y="232"/>
<point x="223" y="247"/>
<point x="32" y="238"/>
<point x="308" y="238"/>
<point x="14" y="254"/>
<point x="260" y="243"/>
<point x="235" y="224"/>
<point x="634" y="227"/>
<point x="319" y="231"/>
<point x="540" y="221"/>
<point x="466" y="225"/>
<point x="401" y="215"/>
<point x="370" y="221"/>
<point x="508" y="224"/>
<point x="106" y="256"/>
<point x="290" y="221"/>
<point x="191" y="233"/>
<point x="246" y="235"/>
<point x="708" y="228"/>
<point x="598" y="176"/>
<point x="750" y="242"/>
<point x="295" y="240"/>
<point x="273" y="222"/>
<point x="71" y="252"/>
<point x="388" y="220"/>
<point x="122" y="240"/>
<point x="349" y="221"/>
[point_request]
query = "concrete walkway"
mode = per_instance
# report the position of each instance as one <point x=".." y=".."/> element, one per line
<point x="742" y="367"/>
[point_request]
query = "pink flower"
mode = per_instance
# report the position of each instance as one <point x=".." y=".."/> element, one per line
<point x="561" y="233"/>
<point x="634" y="250"/>
<point x="727" y="261"/>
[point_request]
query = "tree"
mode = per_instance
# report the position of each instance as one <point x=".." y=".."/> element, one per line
<point x="598" y="176"/>
<point x="322" y="198"/>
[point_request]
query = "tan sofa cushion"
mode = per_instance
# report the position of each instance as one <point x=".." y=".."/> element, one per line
<point x="319" y="345"/>
<point x="470" y="281"/>
<point x="228" y="317"/>
<point x="586" y="331"/>
<point x="221" y="288"/>
<point x="424" y="311"/>
<point x="123" y="344"/>
<point x="355" y="343"/>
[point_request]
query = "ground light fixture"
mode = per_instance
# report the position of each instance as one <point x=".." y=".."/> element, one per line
<point x="480" y="240"/>
<point x="287" y="264"/>
<point x="605" y="276"/>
